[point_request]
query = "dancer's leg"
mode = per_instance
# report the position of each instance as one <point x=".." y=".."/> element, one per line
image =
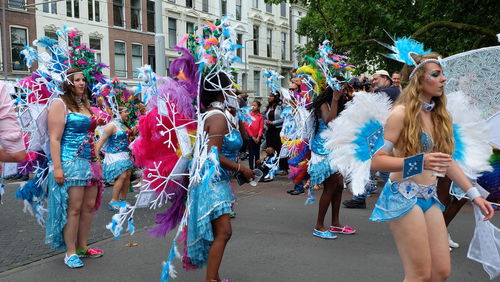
<point x="126" y="184"/>
<point x="412" y="240"/>
<point x="338" y="184"/>
<point x="324" y="203"/>
<point x="70" y="231"/>
<point x="438" y="242"/>
<point x="222" y="234"/>
<point x="86" y="214"/>
<point x="117" y="187"/>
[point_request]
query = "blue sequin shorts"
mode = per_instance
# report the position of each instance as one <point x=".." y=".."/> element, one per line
<point x="398" y="198"/>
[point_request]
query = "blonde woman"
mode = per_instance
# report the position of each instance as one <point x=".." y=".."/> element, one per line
<point x="419" y="123"/>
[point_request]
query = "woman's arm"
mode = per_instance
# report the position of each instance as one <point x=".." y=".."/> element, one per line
<point x="260" y="118"/>
<point x="330" y="113"/>
<point x="108" y="131"/>
<point x="216" y="128"/>
<point x="456" y="175"/>
<point x="277" y="116"/>
<point x="56" y="122"/>
<point x="383" y="161"/>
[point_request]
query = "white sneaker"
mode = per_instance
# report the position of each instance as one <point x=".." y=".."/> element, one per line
<point x="451" y="243"/>
<point x="138" y="185"/>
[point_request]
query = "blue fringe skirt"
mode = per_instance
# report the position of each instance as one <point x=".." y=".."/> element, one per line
<point x="115" y="164"/>
<point x="76" y="173"/>
<point x="206" y="204"/>
<point x="319" y="168"/>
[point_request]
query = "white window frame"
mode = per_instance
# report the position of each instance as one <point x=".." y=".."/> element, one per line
<point x="283" y="46"/>
<point x="134" y="69"/>
<point x="204" y="5"/>
<point x="139" y="27"/>
<point x="17" y="8"/>
<point x="269" y="42"/>
<point x="125" y="55"/>
<point x="94" y="4"/>
<point x="51" y="6"/>
<point x="171" y="44"/>
<point x="27" y="40"/>
<point x="98" y="55"/>
<point x="255" y="79"/>
<point x="124" y="20"/>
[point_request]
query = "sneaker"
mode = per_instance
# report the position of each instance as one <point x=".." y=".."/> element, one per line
<point x="451" y="243"/>
<point x="90" y="253"/>
<point x="112" y="206"/>
<point x="297" y="192"/>
<point x="324" y="234"/>
<point x="290" y="191"/>
<point x="73" y="261"/>
<point x="232" y="214"/>
<point x="352" y="204"/>
<point x="347" y="230"/>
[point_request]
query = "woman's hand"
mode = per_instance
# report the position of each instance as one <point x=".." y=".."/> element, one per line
<point x="59" y="176"/>
<point x="269" y="122"/>
<point x="438" y="162"/>
<point x="485" y="206"/>
<point x="247" y="173"/>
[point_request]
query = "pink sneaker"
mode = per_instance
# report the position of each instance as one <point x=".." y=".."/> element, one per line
<point x="347" y="230"/>
<point x="90" y="253"/>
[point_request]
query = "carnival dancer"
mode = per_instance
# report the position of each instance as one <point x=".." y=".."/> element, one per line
<point x="418" y="145"/>
<point x="325" y="108"/>
<point x="75" y="178"/>
<point x="117" y="164"/>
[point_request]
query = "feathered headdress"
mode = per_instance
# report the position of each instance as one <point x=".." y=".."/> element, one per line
<point x="404" y="48"/>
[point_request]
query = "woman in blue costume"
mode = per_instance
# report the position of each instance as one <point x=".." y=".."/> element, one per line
<point x="74" y="190"/>
<point x="209" y="226"/>
<point x="117" y="164"/>
<point x="326" y="108"/>
<point x="419" y="123"/>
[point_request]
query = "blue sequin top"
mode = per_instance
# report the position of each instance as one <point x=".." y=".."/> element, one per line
<point x="75" y="139"/>
<point x="118" y="142"/>
<point x="317" y="142"/>
<point x="231" y="145"/>
<point x="426" y="142"/>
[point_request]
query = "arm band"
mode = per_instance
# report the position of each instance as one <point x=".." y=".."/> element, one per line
<point x="472" y="193"/>
<point x="388" y="146"/>
<point x="413" y="165"/>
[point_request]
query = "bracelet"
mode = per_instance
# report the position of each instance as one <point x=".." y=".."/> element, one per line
<point x="472" y="193"/>
<point x="239" y="166"/>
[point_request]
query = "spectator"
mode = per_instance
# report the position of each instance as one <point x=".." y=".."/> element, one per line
<point x="396" y="80"/>
<point x="274" y="122"/>
<point x="12" y="147"/>
<point x="254" y="131"/>
<point x="382" y="82"/>
<point x="242" y="100"/>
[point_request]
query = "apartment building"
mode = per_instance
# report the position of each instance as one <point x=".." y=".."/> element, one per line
<point x="124" y="32"/>
<point x="17" y="29"/>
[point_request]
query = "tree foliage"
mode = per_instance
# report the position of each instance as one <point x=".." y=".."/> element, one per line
<point x="447" y="27"/>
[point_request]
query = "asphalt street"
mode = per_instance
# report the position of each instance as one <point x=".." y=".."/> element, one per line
<point x="272" y="241"/>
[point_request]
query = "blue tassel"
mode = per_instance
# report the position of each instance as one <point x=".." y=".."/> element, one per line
<point x="403" y="47"/>
<point x="130" y="226"/>
<point x="310" y="196"/>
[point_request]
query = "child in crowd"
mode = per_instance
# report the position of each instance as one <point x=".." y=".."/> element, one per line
<point x="268" y="164"/>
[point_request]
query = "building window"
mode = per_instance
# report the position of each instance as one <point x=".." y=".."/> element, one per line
<point x="136" y="58"/>
<point x="171" y="1"/>
<point x="204" y="6"/>
<point x="269" y="43"/>
<point x="255" y="4"/>
<point x="95" y="44"/>
<point x="17" y="4"/>
<point x="189" y="3"/>
<point x="269" y="8"/>
<point x="151" y="57"/>
<point x="135" y="14"/>
<point x="73" y="8"/>
<point x="94" y="12"/>
<point x="256" y="40"/>
<point x="190" y="27"/>
<point x="256" y="82"/>
<point x="283" y="9"/>
<point x="238" y="10"/>
<point x="172" y="32"/>
<point x="283" y="46"/>
<point x="50" y="6"/>
<point x="223" y="7"/>
<point x="151" y="15"/>
<point x="118" y="13"/>
<point x="239" y="41"/>
<point x="51" y="35"/>
<point x="120" y="59"/>
<point x="18" y="39"/>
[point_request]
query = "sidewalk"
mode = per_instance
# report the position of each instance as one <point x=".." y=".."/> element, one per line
<point x="271" y="241"/>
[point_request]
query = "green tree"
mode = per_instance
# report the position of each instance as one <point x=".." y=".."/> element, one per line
<point x="353" y="26"/>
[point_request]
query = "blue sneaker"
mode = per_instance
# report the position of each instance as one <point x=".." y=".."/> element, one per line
<point x="324" y="234"/>
<point x="73" y="261"/>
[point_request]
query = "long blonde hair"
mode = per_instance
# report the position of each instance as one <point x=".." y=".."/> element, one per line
<point x="411" y="134"/>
